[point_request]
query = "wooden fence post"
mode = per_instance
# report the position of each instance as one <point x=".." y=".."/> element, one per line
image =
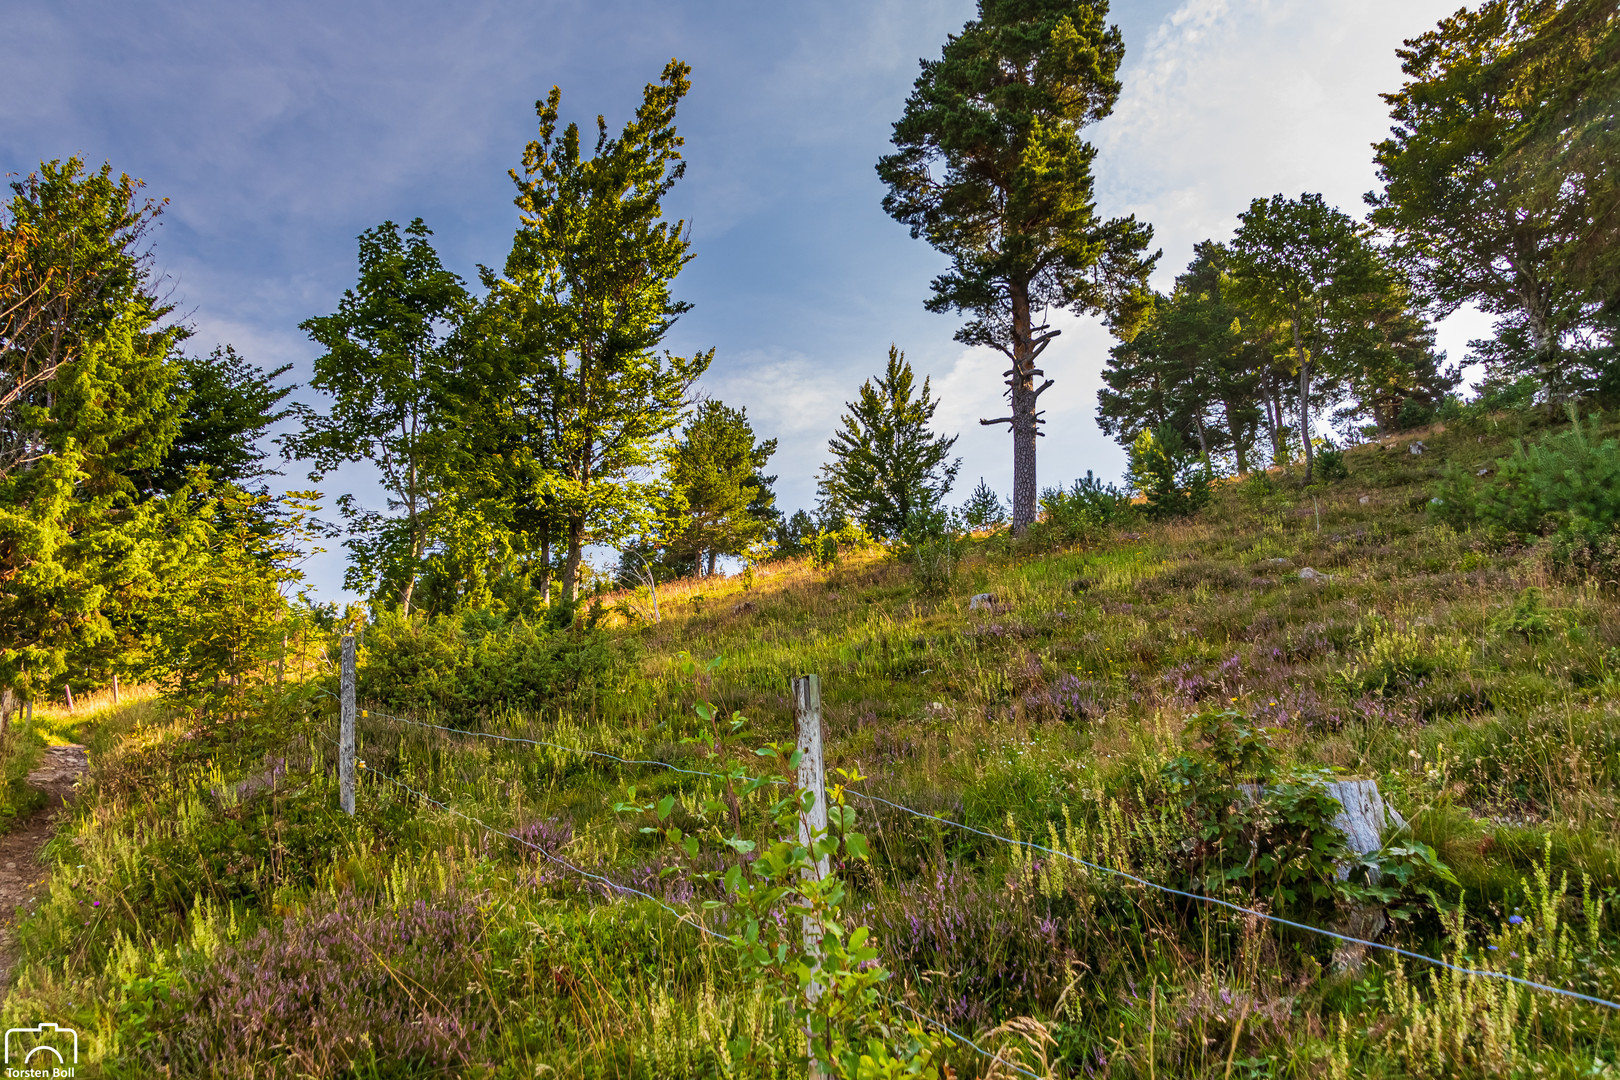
<point x="346" y="734"/>
<point x="807" y="722"/>
<point x="116" y="698"/>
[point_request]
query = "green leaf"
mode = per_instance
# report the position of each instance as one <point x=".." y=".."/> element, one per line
<point x="665" y="805"/>
<point x="855" y="844"/>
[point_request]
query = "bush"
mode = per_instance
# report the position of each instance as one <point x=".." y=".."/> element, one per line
<point x="931" y="546"/>
<point x="1080" y="514"/>
<point x="1169" y="475"/>
<point x="1567" y="484"/>
<point x="476" y="661"/>
<point x="1330" y="464"/>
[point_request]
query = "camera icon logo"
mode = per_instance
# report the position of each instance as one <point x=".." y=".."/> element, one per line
<point x="50" y="1042"/>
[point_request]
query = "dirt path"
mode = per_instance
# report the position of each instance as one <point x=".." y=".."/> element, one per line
<point x="21" y="874"/>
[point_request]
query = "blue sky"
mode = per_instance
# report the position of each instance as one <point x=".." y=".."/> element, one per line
<point x="279" y="132"/>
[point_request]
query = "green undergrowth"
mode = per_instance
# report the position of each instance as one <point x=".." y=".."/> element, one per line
<point x="212" y="913"/>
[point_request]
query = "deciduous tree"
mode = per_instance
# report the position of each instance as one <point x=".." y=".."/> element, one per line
<point x="385" y="368"/>
<point x="586" y="300"/>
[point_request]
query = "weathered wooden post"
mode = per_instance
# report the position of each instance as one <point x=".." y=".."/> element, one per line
<point x="807" y="722"/>
<point x="346" y="732"/>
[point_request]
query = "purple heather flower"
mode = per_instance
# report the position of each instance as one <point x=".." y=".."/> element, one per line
<point x="1515" y="919"/>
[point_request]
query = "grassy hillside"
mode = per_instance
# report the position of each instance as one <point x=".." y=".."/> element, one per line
<point x="212" y="914"/>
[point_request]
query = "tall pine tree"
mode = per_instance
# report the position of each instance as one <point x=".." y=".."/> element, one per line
<point x="990" y="169"/>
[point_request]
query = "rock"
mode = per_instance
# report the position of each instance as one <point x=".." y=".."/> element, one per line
<point x="1364" y="500"/>
<point x="982" y="600"/>
<point x="1308" y="574"/>
<point x="1416" y="448"/>
<point x="742" y="608"/>
<point x="1281" y="560"/>
<point x="1483" y="472"/>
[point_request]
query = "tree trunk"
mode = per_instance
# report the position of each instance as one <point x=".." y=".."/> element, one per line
<point x="1203" y="439"/>
<point x="712" y="555"/>
<point x="1238" y="449"/>
<point x="405" y="597"/>
<point x="1304" y="402"/>
<point x="545" y="563"/>
<point x="1021" y="383"/>
<point x="576" y="545"/>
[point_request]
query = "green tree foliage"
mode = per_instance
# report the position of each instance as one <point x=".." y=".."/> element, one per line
<point x="230" y="405"/>
<point x="888" y="468"/>
<point x="794" y="535"/>
<point x="723" y="503"/>
<point x="1499" y="174"/>
<point x="385" y="369"/>
<point x="220" y="618"/>
<point x="1169" y="475"/>
<point x="1306" y="266"/>
<point x="983" y="509"/>
<point x="586" y="402"/>
<point x="1199" y="364"/>
<point x="990" y="169"/>
<point x="1384" y="351"/>
<point x="89" y="393"/>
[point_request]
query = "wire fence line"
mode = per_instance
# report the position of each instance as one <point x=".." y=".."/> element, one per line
<point x="1100" y="868"/>
<point x="680" y="916"/>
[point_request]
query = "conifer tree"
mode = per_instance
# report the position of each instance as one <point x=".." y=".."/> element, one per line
<point x="983" y="508"/>
<point x="990" y="169"/>
<point x="889" y="469"/>
<point x="724" y="502"/>
<point x="87" y="400"/>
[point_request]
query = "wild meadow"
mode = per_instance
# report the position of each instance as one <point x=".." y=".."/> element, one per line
<point x="211" y="912"/>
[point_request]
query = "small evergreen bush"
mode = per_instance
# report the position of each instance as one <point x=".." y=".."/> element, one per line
<point x="1566" y="485"/>
<point x="1173" y="480"/>
<point x="1081" y="513"/>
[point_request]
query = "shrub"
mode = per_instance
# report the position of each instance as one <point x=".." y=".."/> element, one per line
<point x="1169" y="475"/>
<point x="1567" y="484"/>
<point x="931" y="546"/>
<point x="1251" y="826"/>
<point x="1330" y="464"/>
<point x="1080" y="514"/>
<point x="476" y="661"/>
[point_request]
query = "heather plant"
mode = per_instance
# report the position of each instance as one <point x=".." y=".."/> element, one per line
<point x="337" y="989"/>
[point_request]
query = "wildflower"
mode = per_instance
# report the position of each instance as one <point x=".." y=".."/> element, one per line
<point x="1515" y="919"/>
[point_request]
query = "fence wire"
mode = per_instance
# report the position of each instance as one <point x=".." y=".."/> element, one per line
<point x="1483" y="973"/>
<point x="682" y="917"/>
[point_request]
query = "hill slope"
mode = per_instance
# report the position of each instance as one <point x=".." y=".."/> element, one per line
<point x="212" y="914"/>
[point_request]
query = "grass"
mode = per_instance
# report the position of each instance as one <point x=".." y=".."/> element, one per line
<point x="201" y="926"/>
